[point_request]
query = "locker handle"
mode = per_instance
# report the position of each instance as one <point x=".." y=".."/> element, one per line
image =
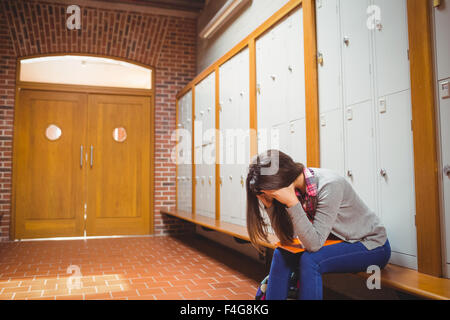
<point x="447" y="171"/>
<point x="92" y="156"/>
<point x="320" y="59"/>
<point x="383" y="172"/>
<point x="346" y="41"/>
<point x="349" y="173"/>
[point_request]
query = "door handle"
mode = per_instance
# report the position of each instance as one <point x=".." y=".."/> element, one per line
<point x="92" y="159"/>
<point x="81" y="156"/>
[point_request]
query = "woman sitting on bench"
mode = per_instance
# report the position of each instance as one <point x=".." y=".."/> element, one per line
<point x="312" y="204"/>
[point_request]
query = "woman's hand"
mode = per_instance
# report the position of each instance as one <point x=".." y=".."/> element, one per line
<point x="285" y="196"/>
<point x="266" y="200"/>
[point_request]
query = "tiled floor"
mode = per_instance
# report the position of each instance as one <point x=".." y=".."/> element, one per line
<point x="165" y="268"/>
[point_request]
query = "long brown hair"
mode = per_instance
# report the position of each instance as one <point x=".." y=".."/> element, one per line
<point x="271" y="170"/>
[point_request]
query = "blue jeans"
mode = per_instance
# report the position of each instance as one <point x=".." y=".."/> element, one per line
<point x="342" y="257"/>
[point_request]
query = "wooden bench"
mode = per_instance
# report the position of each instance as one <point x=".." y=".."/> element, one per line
<point x="398" y="278"/>
<point x="231" y="229"/>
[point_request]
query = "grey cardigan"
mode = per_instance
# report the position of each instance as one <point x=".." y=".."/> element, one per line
<point x="340" y="211"/>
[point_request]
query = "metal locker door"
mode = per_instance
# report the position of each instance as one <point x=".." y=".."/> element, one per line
<point x="211" y="191"/>
<point x="199" y="192"/>
<point x="396" y="176"/>
<point x="356" y="50"/>
<point x="199" y="126"/>
<point x="329" y="55"/>
<point x="391" y="47"/>
<point x="275" y="94"/>
<point x="205" y="112"/>
<point x="223" y="110"/>
<point x="188" y="105"/>
<point x="442" y="25"/>
<point x="295" y="66"/>
<point x="224" y="193"/>
<point x="297" y="140"/>
<point x="360" y="153"/>
<point x="261" y="78"/>
<point x="244" y="172"/>
<point x="265" y="85"/>
<point x="280" y="138"/>
<point x="212" y="101"/>
<point x="244" y="107"/>
<point x="445" y="170"/>
<point x="188" y="188"/>
<point x="183" y="188"/>
<point x="234" y="180"/>
<point x="332" y="141"/>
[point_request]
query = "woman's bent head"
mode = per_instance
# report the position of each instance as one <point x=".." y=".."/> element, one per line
<point x="271" y="170"/>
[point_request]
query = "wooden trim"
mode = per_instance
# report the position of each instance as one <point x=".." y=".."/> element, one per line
<point x="217" y="172"/>
<point x="429" y="256"/>
<point x="253" y="125"/>
<point x="311" y="84"/>
<point x="12" y="226"/>
<point x="270" y="22"/>
<point x="83" y="89"/>
<point x="193" y="153"/>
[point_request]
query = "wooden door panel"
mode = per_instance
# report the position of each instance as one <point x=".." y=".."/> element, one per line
<point x="49" y="180"/>
<point x="118" y="199"/>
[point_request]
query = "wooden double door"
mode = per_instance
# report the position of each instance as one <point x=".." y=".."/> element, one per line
<point x="81" y="165"/>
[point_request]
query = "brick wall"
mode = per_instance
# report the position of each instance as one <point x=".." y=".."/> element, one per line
<point x="167" y="43"/>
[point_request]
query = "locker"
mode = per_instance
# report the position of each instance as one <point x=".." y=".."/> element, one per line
<point x="184" y="194"/>
<point x="234" y="86"/>
<point x="279" y="138"/>
<point x="445" y="153"/>
<point x="328" y="46"/>
<point x="355" y="51"/>
<point x="365" y="130"/>
<point x="360" y="153"/>
<point x="280" y="78"/>
<point x="228" y="203"/>
<point x="204" y="146"/>
<point x="391" y="47"/>
<point x="295" y="67"/>
<point x="396" y="174"/>
<point x="442" y="40"/>
<point x="297" y="140"/>
<point x="236" y="195"/>
<point x="332" y="141"/>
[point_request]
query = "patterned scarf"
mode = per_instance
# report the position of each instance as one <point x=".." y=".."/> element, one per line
<point x="309" y="200"/>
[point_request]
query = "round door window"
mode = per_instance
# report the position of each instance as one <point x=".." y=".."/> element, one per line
<point x="53" y="132"/>
<point x="119" y="134"/>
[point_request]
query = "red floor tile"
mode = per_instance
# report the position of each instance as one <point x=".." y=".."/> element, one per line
<point x="163" y="268"/>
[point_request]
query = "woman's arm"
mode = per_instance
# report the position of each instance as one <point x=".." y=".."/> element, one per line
<point x="314" y="235"/>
